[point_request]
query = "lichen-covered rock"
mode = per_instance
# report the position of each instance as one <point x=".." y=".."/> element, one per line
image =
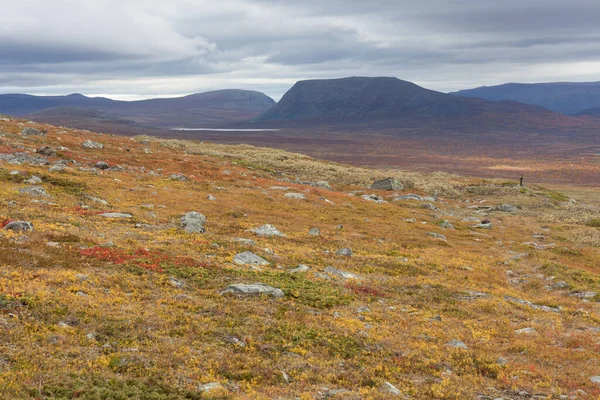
<point x="387" y="184"/>
<point x="341" y="274"/>
<point x="193" y="222"/>
<point x="19" y="226"/>
<point x="89" y="144"/>
<point x="249" y="258"/>
<point x="28" y="131"/>
<point x="267" y="230"/>
<point x="254" y="289"/>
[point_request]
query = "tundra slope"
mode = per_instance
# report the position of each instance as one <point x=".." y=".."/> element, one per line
<point x="486" y="290"/>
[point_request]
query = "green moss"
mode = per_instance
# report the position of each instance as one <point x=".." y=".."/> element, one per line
<point x="97" y="388"/>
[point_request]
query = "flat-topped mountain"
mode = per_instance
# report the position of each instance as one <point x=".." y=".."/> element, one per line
<point x="392" y="102"/>
<point x="196" y="110"/>
<point x="563" y="97"/>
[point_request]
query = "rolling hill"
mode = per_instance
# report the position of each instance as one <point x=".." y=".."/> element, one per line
<point x="196" y="110"/>
<point x="564" y="97"/>
<point x="393" y="103"/>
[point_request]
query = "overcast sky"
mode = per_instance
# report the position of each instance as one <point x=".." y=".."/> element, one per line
<point x="145" y="48"/>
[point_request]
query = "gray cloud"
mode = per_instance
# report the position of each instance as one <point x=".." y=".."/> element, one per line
<point x="132" y="48"/>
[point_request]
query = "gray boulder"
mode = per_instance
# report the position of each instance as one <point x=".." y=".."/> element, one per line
<point x="457" y="344"/>
<point x="267" y="230"/>
<point x="437" y="235"/>
<point x="249" y="258"/>
<point x="341" y="274"/>
<point x="28" y="131"/>
<point x="299" y="269"/>
<point x="346" y="251"/>
<point x="35" y="191"/>
<point x="388" y="388"/>
<point x="254" y="289"/>
<point x="296" y="196"/>
<point x="374" y="198"/>
<point x="387" y="184"/>
<point x="115" y="215"/>
<point x="19" y="226"/>
<point x="102" y="165"/>
<point x="22" y="158"/>
<point x="88" y="144"/>
<point x="193" y="222"/>
<point x="314" y="232"/>
<point x="177" y="177"/>
<point x="507" y="208"/>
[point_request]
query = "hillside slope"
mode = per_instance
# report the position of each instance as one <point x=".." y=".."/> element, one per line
<point x="564" y="97"/>
<point x="390" y="102"/>
<point x="451" y="288"/>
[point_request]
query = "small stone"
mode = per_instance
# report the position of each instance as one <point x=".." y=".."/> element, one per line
<point x="101" y="165"/>
<point x="502" y="361"/>
<point x="314" y="232"/>
<point x="595" y="379"/>
<point x="34" y="180"/>
<point x="175" y="282"/>
<point x="374" y="198"/>
<point x="390" y="389"/>
<point x="45" y="151"/>
<point x="437" y="235"/>
<point x="115" y="215"/>
<point x="177" y="177"/>
<point x="245" y="242"/>
<point x="457" y="344"/>
<point x="525" y="331"/>
<point x="341" y="274"/>
<point x="249" y="258"/>
<point x="208" y="387"/>
<point x="88" y="144"/>
<point x="267" y="231"/>
<point x="301" y="268"/>
<point x="35" y="191"/>
<point x="346" y="251"/>
<point x="296" y="196"/>
<point x="446" y="225"/>
<point x="211" y="197"/>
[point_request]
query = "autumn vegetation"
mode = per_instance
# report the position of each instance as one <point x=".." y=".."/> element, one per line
<point x="97" y="308"/>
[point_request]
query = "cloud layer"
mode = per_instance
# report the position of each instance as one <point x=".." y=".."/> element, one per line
<point x="143" y="48"/>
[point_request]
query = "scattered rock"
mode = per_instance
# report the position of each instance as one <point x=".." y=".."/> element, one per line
<point x="446" y="225"/>
<point x="595" y="379"/>
<point x="175" y="282"/>
<point x="429" y="206"/>
<point x="88" y="144"/>
<point x="583" y="295"/>
<point x="507" y="208"/>
<point x="34" y="191"/>
<point x="374" y="198"/>
<point x="525" y="331"/>
<point x="102" y="165"/>
<point x="437" y="235"/>
<point x="387" y="184"/>
<point x="457" y="344"/>
<point x="253" y="289"/>
<point x="45" y="151"/>
<point x="193" y="222"/>
<point x="299" y="269"/>
<point x="388" y="388"/>
<point x="28" y="131"/>
<point x="115" y="215"/>
<point x="178" y="177"/>
<point x="22" y="158"/>
<point x="346" y="251"/>
<point x="267" y="231"/>
<point x="296" y="196"/>
<point x="410" y="196"/>
<point x="341" y="274"/>
<point x="34" y="180"/>
<point x="249" y="258"/>
<point x="245" y="242"/>
<point x="211" y="197"/>
<point x="314" y="232"/>
<point x="208" y="387"/>
<point x="532" y="305"/>
<point x="19" y="226"/>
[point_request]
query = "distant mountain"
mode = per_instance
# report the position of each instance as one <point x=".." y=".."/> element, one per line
<point x="193" y="111"/>
<point x="592" y="112"/>
<point x="566" y="97"/>
<point x="391" y="102"/>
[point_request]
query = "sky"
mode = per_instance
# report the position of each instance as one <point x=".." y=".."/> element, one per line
<point x="131" y="49"/>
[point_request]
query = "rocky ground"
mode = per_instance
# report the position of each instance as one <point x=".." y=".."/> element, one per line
<point x="152" y="269"/>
